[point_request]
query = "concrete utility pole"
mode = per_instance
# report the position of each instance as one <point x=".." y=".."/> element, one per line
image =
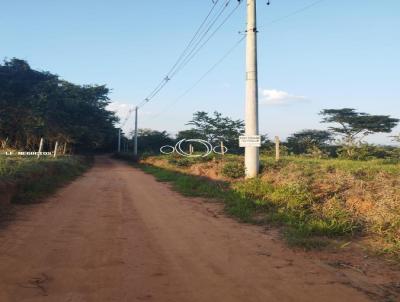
<point x="136" y="132"/>
<point x="119" y="140"/>
<point x="251" y="117"/>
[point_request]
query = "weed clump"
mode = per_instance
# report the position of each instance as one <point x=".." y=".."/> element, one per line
<point x="233" y="169"/>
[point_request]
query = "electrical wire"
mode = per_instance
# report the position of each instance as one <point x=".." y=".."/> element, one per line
<point x="199" y="45"/>
<point x="195" y="45"/>
<point x="194" y="37"/>
<point x="187" y="91"/>
<point x="296" y="12"/>
<point x="186" y="57"/>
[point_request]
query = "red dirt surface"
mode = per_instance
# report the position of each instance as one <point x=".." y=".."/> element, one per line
<point x="116" y="234"/>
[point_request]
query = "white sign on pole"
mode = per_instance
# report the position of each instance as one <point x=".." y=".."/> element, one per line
<point x="250" y="141"/>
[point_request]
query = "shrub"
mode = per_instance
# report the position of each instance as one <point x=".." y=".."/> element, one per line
<point x="233" y="169"/>
<point x="180" y="161"/>
<point x="365" y="152"/>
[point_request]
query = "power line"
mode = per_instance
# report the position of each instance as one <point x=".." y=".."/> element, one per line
<point x="296" y="12"/>
<point x="194" y="37"/>
<point x="201" y="43"/>
<point x="182" y="56"/>
<point x="166" y="79"/>
<point x="186" y="92"/>
<point x="191" y="49"/>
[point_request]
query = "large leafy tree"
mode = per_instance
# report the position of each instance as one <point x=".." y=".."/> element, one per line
<point x="215" y="128"/>
<point x="35" y="104"/>
<point x="353" y="126"/>
<point x="307" y="141"/>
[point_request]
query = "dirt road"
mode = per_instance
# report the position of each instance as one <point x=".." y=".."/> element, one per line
<point x="116" y="234"/>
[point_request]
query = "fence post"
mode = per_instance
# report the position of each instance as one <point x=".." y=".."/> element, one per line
<point x="65" y="148"/>
<point x="40" y="147"/>
<point x="277" y="148"/>
<point x="222" y="148"/>
<point x="55" y="149"/>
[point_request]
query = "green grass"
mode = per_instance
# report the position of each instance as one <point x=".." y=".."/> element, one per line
<point x="353" y="166"/>
<point x="311" y="200"/>
<point x="35" y="178"/>
<point x="258" y="202"/>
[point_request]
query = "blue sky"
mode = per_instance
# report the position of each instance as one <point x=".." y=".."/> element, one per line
<point x="333" y="55"/>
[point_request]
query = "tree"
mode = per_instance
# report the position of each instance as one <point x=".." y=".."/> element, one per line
<point x="35" y="104"/>
<point x="152" y="140"/>
<point x="216" y="128"/>
<point x="353" y="126"/>
<point x="307" y="141"/>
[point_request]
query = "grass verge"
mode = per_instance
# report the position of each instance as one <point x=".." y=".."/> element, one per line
<point x="298" y="228"/>
<point x="311" y="200"/>
<point x="27" y="179"/>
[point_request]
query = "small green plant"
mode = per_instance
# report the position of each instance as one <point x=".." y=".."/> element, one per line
<point x="180" y="161"/>
<point x="35" y="178"/>
<point x="233" y="169"/>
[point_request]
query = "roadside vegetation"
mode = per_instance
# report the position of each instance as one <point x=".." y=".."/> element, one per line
<point x="38" y="106"/>
<point x="24" y="180"/>
<point x="328" y="185"/>
<point x="312" y="200"/>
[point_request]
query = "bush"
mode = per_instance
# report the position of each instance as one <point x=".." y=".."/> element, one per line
<point x="233" y="169"/>
<point x="180" y="161"/>
<point x="366" y="152"/>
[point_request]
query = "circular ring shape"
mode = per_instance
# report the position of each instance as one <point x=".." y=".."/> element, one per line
<point x="179" y="150"/>
<point x="205" y="143"/>
<point x="167" y="146"/>
<point x="225" y="150"/>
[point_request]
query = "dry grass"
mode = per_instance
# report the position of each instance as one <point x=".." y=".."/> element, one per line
<point x="314" y="197"/>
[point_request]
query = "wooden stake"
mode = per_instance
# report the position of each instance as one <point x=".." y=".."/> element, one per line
<point x="40" y="147"/>
<point x="55" y="149"/>
<point x="277" y="148"/>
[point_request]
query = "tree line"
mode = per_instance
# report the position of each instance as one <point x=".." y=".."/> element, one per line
<point x="38" y="104"/>
<point x="343" y="138"/>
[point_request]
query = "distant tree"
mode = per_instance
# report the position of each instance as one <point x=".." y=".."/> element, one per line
<point x="396" y="138"/>
<point x="216" y="128"/>
<point x="190" y="134"/>
<point x="152" y="140"/>
<point x="307" y="141"/>
<point x="266" y="142"/>
<point x="353" y="126"/>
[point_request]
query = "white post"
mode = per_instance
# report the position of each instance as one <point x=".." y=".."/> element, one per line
<point x="191" y="149"/>
<point x="277" y="148"/>
<point x="40" y="147"/>
<point x="55" y="149"/>
<point x="119" y="140"/>
<point x="222" y="148"/>
<point x="65" y="148"/>
<point x="135" y="147"/>
<point x="251" y="116"/>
